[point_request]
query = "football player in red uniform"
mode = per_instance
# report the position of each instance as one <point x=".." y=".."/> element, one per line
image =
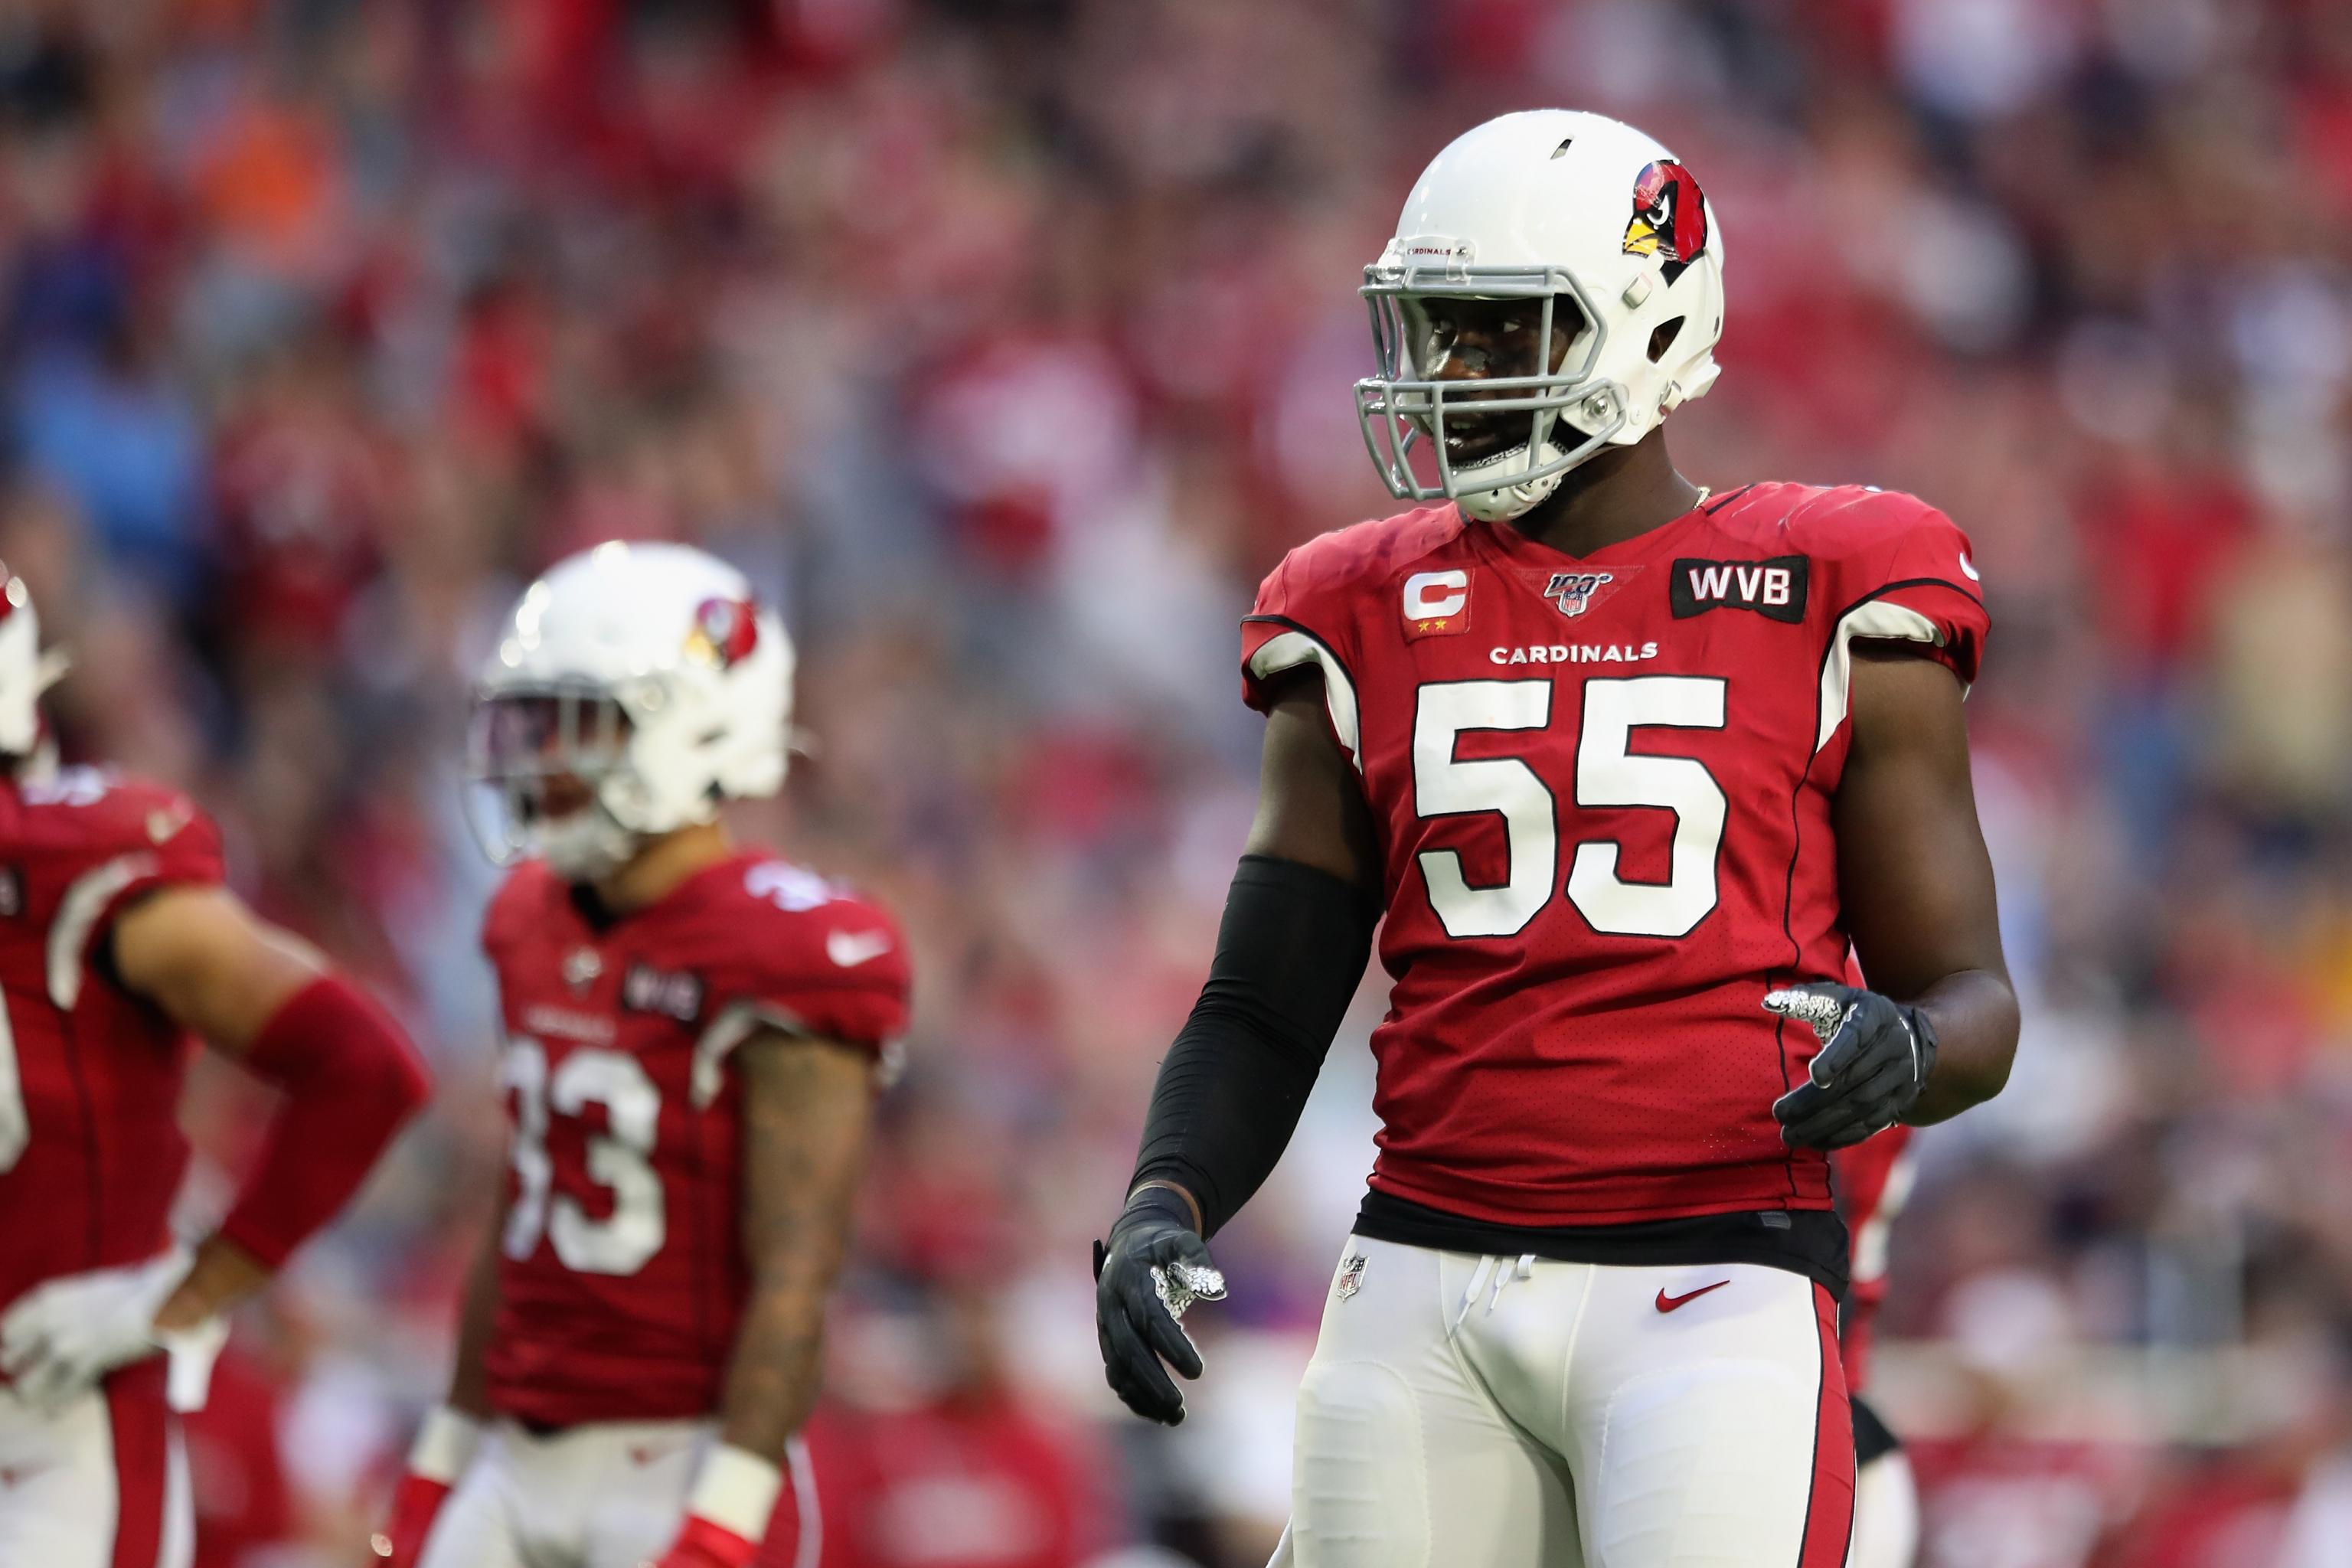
<point x="694" y="1037"/>
<point x="116" y="943"/>
<point x="1626" y="765"/>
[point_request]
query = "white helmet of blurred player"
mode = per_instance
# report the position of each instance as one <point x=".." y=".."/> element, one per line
<point x="632" y="688"/>
<point x="26" y="672"/>
<point x="1600" y="230"/>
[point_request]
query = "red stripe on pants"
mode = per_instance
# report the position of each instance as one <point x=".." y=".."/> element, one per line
<point x="796" y="1530"/>
<point x="136" y="1416"/>
<point x="1829" y="1513"/>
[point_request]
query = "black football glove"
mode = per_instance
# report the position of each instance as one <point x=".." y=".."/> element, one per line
<point x="1154" y="1266"/>
<point x="1875" y="1059"/>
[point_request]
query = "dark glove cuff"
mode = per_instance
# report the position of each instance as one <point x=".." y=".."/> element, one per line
<point x="1923" y="1030"/>
<point x="1151" y="1207"/>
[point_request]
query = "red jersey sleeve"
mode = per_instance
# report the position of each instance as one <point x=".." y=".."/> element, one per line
<point x="834" y="968"/>
<point x="839" y="972"/>
<point x="1892" y="570"/>
<point x="1308" y="613"/>
<point x="1302" y="617"/>
<point x="1905" y="573"/>
<point x="1327" y="597"/>
<point x="136" y="838"/>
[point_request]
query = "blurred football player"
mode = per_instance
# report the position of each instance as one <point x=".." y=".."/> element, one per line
<point x="1873" y="1181"/>
<point x="1626" y="765"/>
<point x="116" y="943"/>
<point x="694" y="1037"/>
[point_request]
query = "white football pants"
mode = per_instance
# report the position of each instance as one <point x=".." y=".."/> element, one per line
<point x="101" y="1484"/>
<point x="1886" y="1514"/>
<point x="607" y="1495"/>
<point x="1468" y="1411"/>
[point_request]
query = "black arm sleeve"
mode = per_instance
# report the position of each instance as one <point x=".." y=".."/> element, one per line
<point x="1289" y="954"/>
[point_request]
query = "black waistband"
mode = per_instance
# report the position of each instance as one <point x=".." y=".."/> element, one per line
<point x="1811" y="1242"/>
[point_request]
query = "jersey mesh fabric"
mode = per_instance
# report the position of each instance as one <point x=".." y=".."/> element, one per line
<point x="1600" y="1063"/>
<point x="617" y="1076"/>
<point x="98" y="1074"/>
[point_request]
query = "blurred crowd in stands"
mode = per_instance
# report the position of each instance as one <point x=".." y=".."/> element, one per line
<point x="1007" y="342"/>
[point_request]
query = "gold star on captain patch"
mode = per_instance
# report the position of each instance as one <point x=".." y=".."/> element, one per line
<point x="1431" y="626"/>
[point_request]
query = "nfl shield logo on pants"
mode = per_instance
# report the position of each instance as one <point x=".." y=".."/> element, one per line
<point x="1351" y="1275"/>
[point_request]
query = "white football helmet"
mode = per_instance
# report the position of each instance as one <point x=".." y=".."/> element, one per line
<point x="1585" y="214"/>
<point x="649" y="677"/>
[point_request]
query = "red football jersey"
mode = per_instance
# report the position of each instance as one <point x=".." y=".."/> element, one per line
<point x="90" y="1150"/>
<point x="1601" y="788"/>
<point x="1873" y="1181"/>
<point x="622" y="1273"/>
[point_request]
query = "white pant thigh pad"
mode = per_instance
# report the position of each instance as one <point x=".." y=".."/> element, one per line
<point x="1401" y="1458"/>
<point x="1517" y="1411"/>
<point x="1707" y="1419"/>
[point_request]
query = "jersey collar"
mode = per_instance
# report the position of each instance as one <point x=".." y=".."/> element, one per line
<point x="1507" y="545"/>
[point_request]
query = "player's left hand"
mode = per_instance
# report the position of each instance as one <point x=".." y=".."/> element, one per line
<point x="1154" y="1266"/>
<point x="1875" y="1059"/>
<point x="702" y="1545"/>
<point x="63" y="1336"/>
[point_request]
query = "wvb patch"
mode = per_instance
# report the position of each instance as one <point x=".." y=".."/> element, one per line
<point x="1773" y="588"/>
<point x="644" y="989"/>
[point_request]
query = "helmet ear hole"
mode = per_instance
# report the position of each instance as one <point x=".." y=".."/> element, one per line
<point x="1664" y="338"/>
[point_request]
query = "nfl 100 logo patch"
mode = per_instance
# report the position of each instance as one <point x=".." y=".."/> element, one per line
<point x="1351" y="1275"/>
<point x="1579" y="593"/>
<point x="1573" y="590"/>
<point x="582" y="967"/>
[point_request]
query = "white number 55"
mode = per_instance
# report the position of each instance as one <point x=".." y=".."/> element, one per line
<point x="1608" y="774"/>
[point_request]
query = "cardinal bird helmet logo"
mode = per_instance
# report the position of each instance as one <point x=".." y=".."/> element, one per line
<point x="725" y="631"/>
<point x="1669" y="218"/>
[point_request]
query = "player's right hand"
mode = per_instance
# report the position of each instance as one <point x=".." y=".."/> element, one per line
<point x="1154" y="1267"/>
<point x="62" y="1337"/>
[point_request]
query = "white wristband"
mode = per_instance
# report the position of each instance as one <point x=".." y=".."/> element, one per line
<point x="736" y="1490"/>
<point x="445" y="1446"/>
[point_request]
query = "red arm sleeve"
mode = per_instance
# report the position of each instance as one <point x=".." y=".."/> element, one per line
<point x="350" y="1080"/>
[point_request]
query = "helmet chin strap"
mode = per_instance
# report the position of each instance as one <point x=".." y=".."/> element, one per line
<point x="587" y="846"/>
<point x="1508" y="501"/>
